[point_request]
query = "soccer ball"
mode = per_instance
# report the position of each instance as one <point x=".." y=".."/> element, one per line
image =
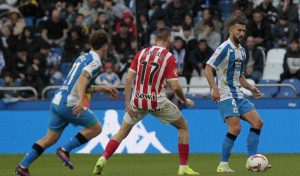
<point x="258" y="163"/>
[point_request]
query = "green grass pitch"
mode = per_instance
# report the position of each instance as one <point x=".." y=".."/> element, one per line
<point x="148" y="165"/>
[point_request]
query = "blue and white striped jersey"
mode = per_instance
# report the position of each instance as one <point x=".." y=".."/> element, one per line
<point x="229" y="63"/>
<point x="108" y="79"/>
<point x="67" y="95"/>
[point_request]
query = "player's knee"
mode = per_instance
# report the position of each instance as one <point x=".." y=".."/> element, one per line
<point x="260" y="124"/>
<point x="185" y="125"/>
<point x="236" y="129"/>
<point x="51" y="140"/>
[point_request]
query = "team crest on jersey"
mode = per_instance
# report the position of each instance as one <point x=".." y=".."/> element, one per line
<point x="238" y="64"/>
<point x="175" y="72"/>
<point x="235" y="110"/>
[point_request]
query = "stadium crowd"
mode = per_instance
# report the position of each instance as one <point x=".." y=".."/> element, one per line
<point x="41" y="39"/>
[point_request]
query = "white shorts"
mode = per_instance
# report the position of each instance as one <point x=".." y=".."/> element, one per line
<point x="168" y="113"/>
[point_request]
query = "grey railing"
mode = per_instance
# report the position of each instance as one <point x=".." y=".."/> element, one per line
<point x="21" y="88"/>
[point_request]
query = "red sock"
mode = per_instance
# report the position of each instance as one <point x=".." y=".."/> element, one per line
<point x="183" y="153"/>
<point x="110" y="148"/>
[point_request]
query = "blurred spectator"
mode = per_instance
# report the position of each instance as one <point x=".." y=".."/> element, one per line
<point x="291" y="63"/>
<point x="9" y="95"/>
<point x="208" y="15"/>
<point x="200" y="55"/>
<point x="28" y="8"/>
<point x="237" y="14"/>
<point x="175" y="12"/>
<point x="179" y="53"/>
<point x="31" y="41"/>
<point x="189" y="20"/>
<point x="73" y="45"/>
<point x="39" y="64"/>
<point x="53" y="62"/>
<point x="170" y="94"/>
<point x="159" y="24"/>
<point x="108" y="78"/>
<point x="8" y="40"/>
<point x="15" y="21"/>
<point x="69" y="15"/>
<point x="103" y="23"/>
<point x="143" y="29"/>
<point x="19" y="62"/>
<point x="260" y="29"/>
<point x="210" y="35"/>
<point x="130" y="51"/>
<point x="122" y="40"/>
<point x="244" y="5"/>
<point x="114" y="11"/>
<point x="2" y="62"/>
<point x="88" y="10"/>
<point x="269" y="10"/>
<point x="79" y="23"/>
<point x="55" y="30"/>
<point x="6" y="5"/>
<point x="290" y="9"/>
<point x="283" y="32"/>
<point x="188" y="37"/>
<point x="112" y="57"/>
<point x="156" y="13"/>
<point x="254" y="60"/>
<point x="128" y="19"/>
<point x="33" y="80"/>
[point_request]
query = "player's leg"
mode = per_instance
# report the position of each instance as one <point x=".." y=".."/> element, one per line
<point x="115" y="141"/>
<point x="230" y="115"/>
<point x="92" y="129"/>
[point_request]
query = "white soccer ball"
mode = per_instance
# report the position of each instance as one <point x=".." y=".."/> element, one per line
<point x="258" y="163"/>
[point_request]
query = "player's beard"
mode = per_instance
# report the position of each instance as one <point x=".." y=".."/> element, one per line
<point x="236" y="39"/>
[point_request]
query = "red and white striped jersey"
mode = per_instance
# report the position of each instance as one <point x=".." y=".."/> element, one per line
<point x="154" y="67"/>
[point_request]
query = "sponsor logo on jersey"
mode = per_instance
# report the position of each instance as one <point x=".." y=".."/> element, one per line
<point x="175" y="72"/>
<point x="145" y="96"/>
<point x="238" y="63"/>
<point x="235" y="110"/>
<point x="215" y="54"/>
<point x="93" y="64"/>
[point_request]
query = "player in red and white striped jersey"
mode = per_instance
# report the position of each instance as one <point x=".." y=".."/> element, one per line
<point x="152" y="68"/>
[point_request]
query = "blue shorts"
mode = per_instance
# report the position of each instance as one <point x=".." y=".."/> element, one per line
<point x="61" y="116"/>
<point x="234" y="107"/>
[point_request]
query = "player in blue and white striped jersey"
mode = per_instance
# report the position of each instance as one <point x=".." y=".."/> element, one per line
<point x="229" y="63"/>
<point x="67" y="105"/>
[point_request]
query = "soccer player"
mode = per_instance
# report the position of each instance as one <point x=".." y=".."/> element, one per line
<point x="228" y="61"/>
<point x="67" y="105"/>
<point x="152" y="68"/>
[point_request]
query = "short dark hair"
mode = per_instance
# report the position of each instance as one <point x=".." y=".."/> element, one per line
<point x="178" y="38"/>
<point x="236" y="21"/>
<point x="45" y="45"/>
<point x="186" y="27"/>
<point x="80" y="14"/>
<point x="162" y="34"/>
<point x="295" y="41"/>
<point x="202" y="41"/>
<point x="98" y="39"/>
<point x="209" y="23"/>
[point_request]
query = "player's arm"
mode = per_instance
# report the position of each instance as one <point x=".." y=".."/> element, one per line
<point x="111" y="91"/>
<point x="81" y="87"/>
<point x="209" y="73"/>
<point x="255" y="91"/>
<point x="128" y="85"/>
<point x="178" y="90"/>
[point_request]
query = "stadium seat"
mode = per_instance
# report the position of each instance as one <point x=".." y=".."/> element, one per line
<point x="276" y="56"/>
<point x="50" y="94"/>
<point x="2" y="82"/>
<point x="39" y="20"/>
<point x="248" y="92"/>
<point x="199" y="81"/>
<point x="285" y="92"/>
<point x="183" y="82"/>
<point x="272" y="71"/>
<point x="295" y="82"/>
<point x="58" y="82"/>
<point x="56" y="51"/>
<point x="100" y="96"/>
<point x="18" y="81"/>
<point x="268" y="92"/>
<point x="29" y="21"/>
<point x="194" y="96"/>
<point x="65" y="68"/>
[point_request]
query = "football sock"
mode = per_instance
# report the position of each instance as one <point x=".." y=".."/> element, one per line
<point x="32" y="155"/>
<point x="227" y="146"/>
<point x="74" y="142"/>
<point x="183" y="153"/>
<point x="222" y="163"/>
<point x="253" y="141"/>
<point x="110" y="148"/>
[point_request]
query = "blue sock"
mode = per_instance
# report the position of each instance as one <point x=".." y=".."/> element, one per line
<point x="74" y="142"/>
<point x="32" y="155"/>
<point x="253" y="141"/>
<point x="227" y="146"/>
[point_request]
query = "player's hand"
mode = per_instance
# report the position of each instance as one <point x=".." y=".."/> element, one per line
<point x="189" y="102"/>
<point x="215" y="95"/>
<point x="78" y="109"/>
<point x="255" y="91"/>
<point x="130" y="111"/>
<point x="111" y="91"/>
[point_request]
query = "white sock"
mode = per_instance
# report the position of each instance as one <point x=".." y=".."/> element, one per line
<point x="103" y="158"/>
<point x="222" y="163"/>
<point x="183" y="166"/>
